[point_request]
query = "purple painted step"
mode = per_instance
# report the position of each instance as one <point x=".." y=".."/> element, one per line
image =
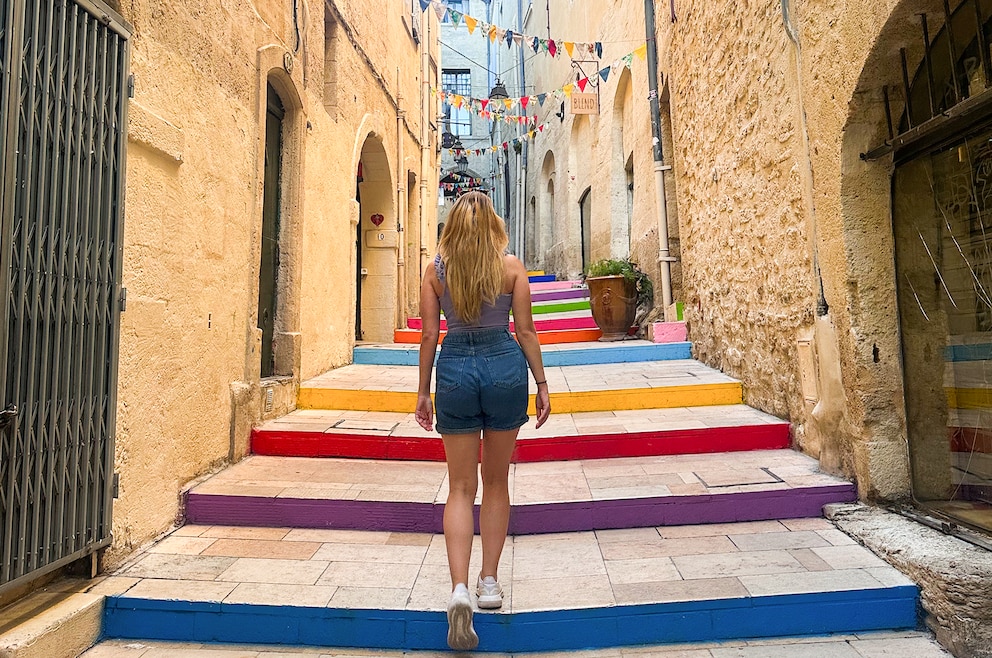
<point x="797" y="502"/>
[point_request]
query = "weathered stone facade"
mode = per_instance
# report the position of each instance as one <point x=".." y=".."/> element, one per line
<point x="782" y="231"/>
<point x="353" y="79"/>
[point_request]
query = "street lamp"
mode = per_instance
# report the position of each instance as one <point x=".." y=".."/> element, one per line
<point x="498" y="92"/>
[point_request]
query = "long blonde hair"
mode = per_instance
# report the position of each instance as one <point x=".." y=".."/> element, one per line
<point x="472" y="246"/>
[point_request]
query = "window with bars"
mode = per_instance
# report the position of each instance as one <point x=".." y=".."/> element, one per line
<point x="457" y="121"/>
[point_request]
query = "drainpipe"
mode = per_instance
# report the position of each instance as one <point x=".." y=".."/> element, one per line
<point x="400" y="208"/>
<point x="522" y="156"/>
<point x="664" y="258"/>
<point x="425" y="157"/>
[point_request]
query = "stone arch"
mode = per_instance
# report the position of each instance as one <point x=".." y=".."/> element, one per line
<point x="856" y="263"/>
<point x="621" y="155"/>
<point x="547" y="210"/>
<point x="580" y="178"/>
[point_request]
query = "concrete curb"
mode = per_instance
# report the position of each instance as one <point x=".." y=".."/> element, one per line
<point x="59" y="621"/>
<point x="954" y="576"/>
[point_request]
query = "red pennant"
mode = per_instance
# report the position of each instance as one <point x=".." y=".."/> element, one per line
<point x="484" y="101"/>
<point x="524" y="100"/>
<point x="552" y="48"/>
<point x="583" y="83"/>
<point x="541" y="128"/>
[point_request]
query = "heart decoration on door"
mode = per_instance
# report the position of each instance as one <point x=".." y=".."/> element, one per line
<point x="377" y="219"/>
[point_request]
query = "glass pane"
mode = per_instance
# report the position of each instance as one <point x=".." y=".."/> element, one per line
<point x="942" y="219"/>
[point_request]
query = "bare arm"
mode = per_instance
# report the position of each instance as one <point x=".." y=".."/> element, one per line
<point x="430" y="314"/>
<point x="523" y="323"/>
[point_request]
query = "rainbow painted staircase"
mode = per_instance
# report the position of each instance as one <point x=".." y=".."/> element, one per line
<point x="653" y="507"/>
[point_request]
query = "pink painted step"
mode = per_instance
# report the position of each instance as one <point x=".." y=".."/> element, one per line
<point x="555" y="285"/>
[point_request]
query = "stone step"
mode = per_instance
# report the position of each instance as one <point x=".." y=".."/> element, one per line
<point x="581" y="320"/>
<point x="596" y="435"/>
<point x="546" y="337"/>
<point x="545" y="497"/>
<point x="562" y="354"/>
<point x="556" y="285"/>
<point x="584" y="590"/>
<point x="574" y="389"/>
<point x="872" y="644"/>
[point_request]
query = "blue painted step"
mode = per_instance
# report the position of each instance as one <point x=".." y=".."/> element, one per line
<point x="408" y="355"/>
<point x="541" y="278"/>
<point x="821" y="613"/>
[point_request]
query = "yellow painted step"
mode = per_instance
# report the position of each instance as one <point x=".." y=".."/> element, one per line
<point x="698" y="395"/>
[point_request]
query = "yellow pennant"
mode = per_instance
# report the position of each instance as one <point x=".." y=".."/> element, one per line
<point x="569" y="48"/>
<point x="492" y="33"/>
<point x="568" y="89"/>
<point x="470" y="23"/>
<point x="642" y="52"/>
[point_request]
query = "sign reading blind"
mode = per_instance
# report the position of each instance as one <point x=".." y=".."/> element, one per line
<point x="583" y="103"/>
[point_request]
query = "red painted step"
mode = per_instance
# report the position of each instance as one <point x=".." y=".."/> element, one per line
<point x="383" y="445"/>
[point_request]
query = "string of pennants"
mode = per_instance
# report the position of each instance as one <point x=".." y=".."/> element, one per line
<point x="484" y="107"/>
<point x="526" y="137"/>
<point x="495" y="33"/>
<point x="467" y="182"/>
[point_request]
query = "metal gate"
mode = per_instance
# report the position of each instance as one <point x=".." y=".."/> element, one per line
<point x="63" y="103"/>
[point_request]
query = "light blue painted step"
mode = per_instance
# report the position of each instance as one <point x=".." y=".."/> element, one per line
<point x="712" y="620"/>
<point x="589" y="354"/>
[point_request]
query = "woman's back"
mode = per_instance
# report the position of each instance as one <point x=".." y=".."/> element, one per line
<point x="496" y="315"/>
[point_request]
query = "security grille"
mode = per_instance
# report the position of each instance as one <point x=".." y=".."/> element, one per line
<point x="63" y="103"/>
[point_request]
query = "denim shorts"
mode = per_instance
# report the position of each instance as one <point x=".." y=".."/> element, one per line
<point x="481" y="382"/>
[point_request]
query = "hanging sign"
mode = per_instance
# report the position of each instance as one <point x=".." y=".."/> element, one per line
<point x="585" y="103"/>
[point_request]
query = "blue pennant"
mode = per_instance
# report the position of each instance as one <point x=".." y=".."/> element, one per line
<point x="604" y="73"/>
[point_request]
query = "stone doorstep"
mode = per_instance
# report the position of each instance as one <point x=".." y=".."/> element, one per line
<point x="61" y="620"/>
<point x="954" y="576"/>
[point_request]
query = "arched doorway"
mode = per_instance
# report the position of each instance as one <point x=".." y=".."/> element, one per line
<point x="546" y="217"/>
<point x="376" y="246"/>
<point x="268" y="272"/>
<point x="621" y="169"/>
<point x="930" y="107"/>
<point x="585" y="227"/>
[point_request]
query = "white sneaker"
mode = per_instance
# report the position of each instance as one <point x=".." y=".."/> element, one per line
<point x="461" y="633"/>
<point x="490" y="593"/>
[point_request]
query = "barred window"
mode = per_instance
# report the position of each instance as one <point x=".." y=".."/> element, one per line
<point x="457" y="121"/>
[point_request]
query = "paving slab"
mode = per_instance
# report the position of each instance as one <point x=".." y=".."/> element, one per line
<point x="899" y="644"/>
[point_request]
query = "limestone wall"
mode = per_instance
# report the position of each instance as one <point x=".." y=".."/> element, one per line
<point x="783" y="231"/>
<point x="189" y="368"/>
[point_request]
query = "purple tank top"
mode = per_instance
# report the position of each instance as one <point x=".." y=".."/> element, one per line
<point x="490" y="316"/>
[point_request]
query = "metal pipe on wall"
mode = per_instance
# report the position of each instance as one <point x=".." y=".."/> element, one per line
<point x="425" y="157"/>
<point x="522" y="156"/>
<point x="664" y="257"/>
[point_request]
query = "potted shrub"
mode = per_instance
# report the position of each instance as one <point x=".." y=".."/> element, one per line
<point x="617" y="287"/>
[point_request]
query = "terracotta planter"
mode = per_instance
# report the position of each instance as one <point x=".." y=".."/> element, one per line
<point x="614" y="304"/>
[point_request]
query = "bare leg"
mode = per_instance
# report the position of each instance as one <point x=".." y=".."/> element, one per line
<point x="494" y="517"/>
<point x="462" y="454"/>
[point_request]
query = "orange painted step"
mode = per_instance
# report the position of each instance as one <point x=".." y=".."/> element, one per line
<point x="412" y="336"/>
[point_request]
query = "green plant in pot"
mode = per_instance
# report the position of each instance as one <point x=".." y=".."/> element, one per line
<point x="617" y="288"/>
